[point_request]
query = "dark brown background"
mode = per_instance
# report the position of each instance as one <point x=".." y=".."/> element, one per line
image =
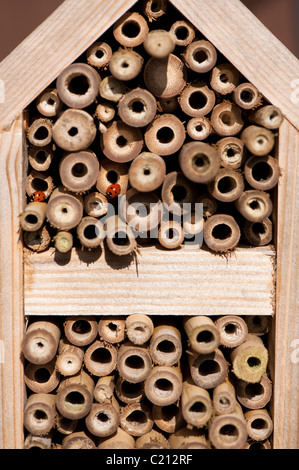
<point x="18" y="18"/>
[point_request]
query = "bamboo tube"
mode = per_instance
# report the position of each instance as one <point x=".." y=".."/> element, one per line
<point x="233" y="330"/>
<point x="259" y="424"/>
<point x="90" y="232"/>
<point x="104" y="389"/>
<point x="165" y="78"/>
<point x="105" y="111"/>
<point x="193" y="223"/>
<point x="196" y="404"/>
<point x="63" y="241"/>
<point x="254" y="396"/>
<point x="33" y="216"/>
<point x="78" y="85"/>
<point x="224" y="78"/>
<point x="100" y="358"/>
<point x="254" y="205"/>
<point x="258" y="140"/>
<point x="224" y="398"/>
<point x="176" y="191"/>
<point x="140" y="210"/>
<point x="247" y="96"/>
<point x="199" y="128"/>
<point x="267" y="116"/>
<point x="208" y="370"/>
<point x="168" y="418"/>
<point x="39" y="413"/>
<point x="168" y="105"/>
<point x="95" y="204"/>
<point x="40" y="158"/>
<point x="78" y="440"/>
<point x="147" y="172"/>
<point x="257" y="324"/>
<point x="134" y="363"/>
<point x="227" y="186"/>
<point x="112" y="172"/>
<point x="70" y="358"/>
<point x="250" y="359"/>
<point x="129" y="392"/>
<point x="112" y="329"/>
<point x="231" y="152"/>
<point x="226" y="119"/>
<point x="166" y="345"/>
<point x="81" y="330"/>
<point x="41" y="378"/>
<point x="262" y="172"/>
<point x="152" y="440"/>
<point x="228" y="431"/>
<point x="112" y="89"/>
<point x="41" y="341"/>
<point x="165" y="135"/>
<point x="183" y="32"/>
<point x="164" y="385"/>
<point x="137" y="108"/>
<point x="48" y="103"/>
<point x="65" y="426"/>
<point x="159" y="43"/>
<point x="153" y="9"/>
<point x="37" y="241"/>
<point x="103" y="418"/>
<point x="39" y="181"/>
<point x="40" y="132"/>
<point x="74" y="130"/>
<point x="79" y="170"/>
<point x="171" y="235"/>
<point x="64" y="209"/>
<point x="99" y="54"/>
<point x="136" y="419"/>
<point x="139" y="328"/>
<point x="257" y="445"/>
<point x="197" y="99"/>
<point x="74" y="396"/>
<point x="258" y="233"/>
<point x="209" y="204"/>
<point x="130" y="30"/>
<point x="38" y="442"/>
<point x="221" y="233"/>
<point x="125" y="64"/>
<point x="121" y="143"/>
<point x="200" y="56"/>
<point x="119" y="440"/>
<point x="203" y="335"/>
<point x="199" y="162"/>
<point x="187" y="438"/>
<point x="119" y="237"/>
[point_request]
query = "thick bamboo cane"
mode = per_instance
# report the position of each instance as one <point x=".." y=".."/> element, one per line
<point x="40" y="132"/>
<point x="120" y="142"/>
<point x="79" y="170"/>
<point x="247" y="96"/>
<point x="65" y="426"/>
<point x="41" y="341"/>
<point x="197" y="99"/>
<point x="139" y="328"/>
<point x="262" y="172"/>
<point x="166" y="77"/>
<point x="200" y="56"/>
<point x="38" y="240"/>
<point x="224" y="398"/>
<point x="221" y="233"/>
<point x="63" y="241"/>
<point x="159" y="43"/>
<point x="199" y="162"/>
<point x="169" y="418"/>
<point x="250" y="359"/>
<point x="254" y="395"/>
<point x="259" y="140"/>
<point x="183" y="32"/>
<point x="40" y="413"/>
<point x="259" y="424"/>
<point x="228" y="431"/>
<point x="90" y="232"/>
<point x="131" y="29"/>
<point x="129" y="392"/>
<point x="74" y="396"/>
<point x="227" y="186"/>
<point x="48" y="103"/>
<point x="137" y="108"/>
<point x="33" y="216"/>
<point x="104" y="388"/>
<point x="99" y="54"/>
<point x="232" y="329"/>
<point x="38" y="442"/>
<point x="136" y="419"/>
<point x="165" y="135"/>
<point x="134" y="363"/>
<point x="103" y="418"/>
<point x="226" y="119"/>
<point x="254" y="205"/>
<point x="231" y="152"/>
<point x="39" y="181"/>
<point x="81" y="330"/>
<point x="208" y="370"/>
<point x="41" y="378"/>
<point x="74" y="130"/>
<point x="196" y="404"/>
<point x="166" y="345"/>
<point x="119" y="236"/>
<point x="267" y="116"/>
<point x="164" y="385"/>
<point x="125" y="64"/>
<point x="69" y="359"/>
<point x="112" y="328"/>
<point x="202" y="333"/>
<point x="64" y="209"/>
<point x="112" y="89"/>
<point x="147" y="172"/>
<point x="224" y="78"/>
<point x="100" y="358"/>
<point x="40" y="158"/>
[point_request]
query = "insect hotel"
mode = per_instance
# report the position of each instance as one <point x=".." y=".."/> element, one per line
<point x="168" y="327"/>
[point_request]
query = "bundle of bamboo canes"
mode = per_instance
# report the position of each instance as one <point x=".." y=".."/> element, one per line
<point x="141" y="382"/>
<point x="151" y="112"/>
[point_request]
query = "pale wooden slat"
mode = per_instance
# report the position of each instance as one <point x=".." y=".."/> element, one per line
<point x="56" y="43"/>
<point x="250" y="46"/>
<point x="179" y="282"/>
<point x="286" y="399"/>
<point x="11" y="287"/>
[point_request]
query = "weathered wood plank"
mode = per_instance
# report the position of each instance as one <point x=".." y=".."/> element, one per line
<point x="11" y="287"/>
<point x="286" y="398"/>
<point x="167" y="283"/>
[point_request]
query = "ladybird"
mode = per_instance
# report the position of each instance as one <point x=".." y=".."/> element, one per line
<point x="113" y="190"/>
<point x="38" y="196"/>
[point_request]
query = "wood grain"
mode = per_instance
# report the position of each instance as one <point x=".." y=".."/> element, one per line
<point x="286" y="379"/>
<point x="177" y="282"/>
<point x="249" y="46"/>
<point x="55" y="44"/>
<point x="11" y="286"/>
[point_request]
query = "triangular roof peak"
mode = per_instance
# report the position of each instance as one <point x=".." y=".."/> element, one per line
<point x="75" y="25"/>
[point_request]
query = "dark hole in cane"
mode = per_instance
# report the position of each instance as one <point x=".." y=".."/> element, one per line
<point x="39" y="184"/>
<point x="165" y="135"/>
<point x="31" y="219"/>
<point x="121" y="239"/>
<point x="101" y="356"/>
<point x="208" y="367"/>
<point x="131" y="29"/>
<point x="253" y="361"/>
<point x="112" y="176"/>
<point x="205" y="336"/>
<point x="41" y="133"/>
<point x="134" y="362"/>
<point x="226" y="184"/>
<point x="197" y="100"/>
<point x="262" y="171"/>
<point x="42" y="375"/>
<point x="79" y="170"/>
<point x="182" y="33"/>
<point x="166" y="347"/>
<point x="179" y="193"/>
<point x="222" y="232"/>
<point x="79" y="85"/>
<point x="200" y="56"/>
<point x="137" y="417"/>
<point x="81" y="327"/>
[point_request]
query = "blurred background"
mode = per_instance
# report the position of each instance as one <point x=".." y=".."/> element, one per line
<point x="20" y="17"/>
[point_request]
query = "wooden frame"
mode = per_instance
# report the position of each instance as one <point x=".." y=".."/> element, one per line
<point x="35" y="63"/>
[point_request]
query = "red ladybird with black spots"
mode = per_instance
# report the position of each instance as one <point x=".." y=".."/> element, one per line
<point x="38" y="196"/>
<point x="113" y="190"/>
